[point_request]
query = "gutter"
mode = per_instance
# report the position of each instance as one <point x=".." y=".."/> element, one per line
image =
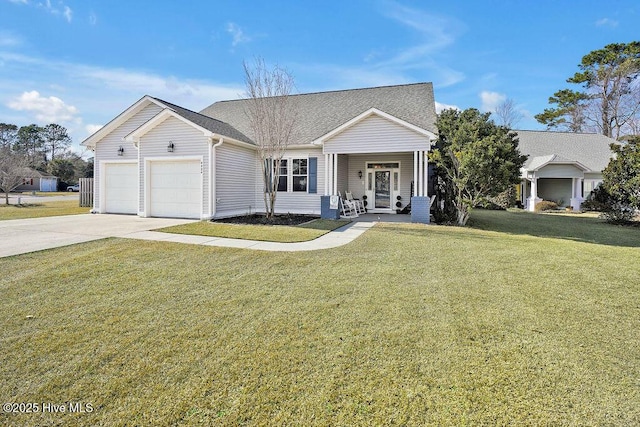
<point x="212" y="175"/>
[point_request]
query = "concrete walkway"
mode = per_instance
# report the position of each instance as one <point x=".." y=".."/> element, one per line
<point x="29" y="235"/>
<point x="332" y="239"/>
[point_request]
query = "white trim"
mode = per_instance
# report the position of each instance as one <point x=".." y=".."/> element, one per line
<point x="551" y="162"/>
<point x="393" y="194"/>
<point x="103" y="180"/>
<point x="156" y="120"/>
<point x="166" y="113"/>
<point x="372" y="112"/>
<point x="143" y="102"/>
<point x="326" y="174"/>
<point x="147" y="180"/>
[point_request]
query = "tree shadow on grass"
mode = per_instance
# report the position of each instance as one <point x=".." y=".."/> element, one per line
<point x="574" y="227"/>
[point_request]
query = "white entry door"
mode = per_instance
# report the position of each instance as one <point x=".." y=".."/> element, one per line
<point x="175" y="189"/>
<point x="121" y="188"/>
<point x="382" y="186"/>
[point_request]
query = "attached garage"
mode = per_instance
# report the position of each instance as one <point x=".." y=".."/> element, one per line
<point x="120" y="188"/>
<point x="175" y="188"/>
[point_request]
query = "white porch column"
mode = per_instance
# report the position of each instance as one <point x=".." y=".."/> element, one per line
<point x="335" y="174"/>
<point x="415" y="173"/>
<point x="576" y="196"/>
<point x="326" y="174"/>
<point x="533" y="199"/>
<point x="421" y="173"/>
<point x="425" y="159"/>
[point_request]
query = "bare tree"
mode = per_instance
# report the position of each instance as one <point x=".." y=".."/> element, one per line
<point x="272" y="115"/>
<point x="507" y="113"/>
<point x="13" y="167"/>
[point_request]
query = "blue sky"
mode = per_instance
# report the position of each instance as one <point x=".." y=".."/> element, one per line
<point x="80" y="63"/>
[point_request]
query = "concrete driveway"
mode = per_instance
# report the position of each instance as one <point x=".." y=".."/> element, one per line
<point x="20" y="236"/>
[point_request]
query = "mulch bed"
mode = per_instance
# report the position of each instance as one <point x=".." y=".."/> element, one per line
<point x="288" y="219"/>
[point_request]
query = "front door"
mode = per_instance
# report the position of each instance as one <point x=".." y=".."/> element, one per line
<point x="382" y="187"/>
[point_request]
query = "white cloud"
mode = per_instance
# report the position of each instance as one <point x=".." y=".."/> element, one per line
<point x="9" y="39"/>
<point x="491" y="100"/>
<point x="68" y="13"/>
<point x="91" y="129"/>
<point x="49" y="110"/>
<point x="93" y="18"/>
<point x="441" y="107"/>
<point x="606" y="22"/>
<point x="237" y="34"/>
<point x="382" y="67"/>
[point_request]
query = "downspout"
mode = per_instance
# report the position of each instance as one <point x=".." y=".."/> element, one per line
<point x="212" y="175"/>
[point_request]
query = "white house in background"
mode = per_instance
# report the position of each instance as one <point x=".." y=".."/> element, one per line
<point x="159" y="159"/>
<point x="563" y="167"/>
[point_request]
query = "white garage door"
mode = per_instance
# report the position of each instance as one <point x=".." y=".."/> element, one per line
<point x="121" y="188"/>
<point x="175" y="189"/>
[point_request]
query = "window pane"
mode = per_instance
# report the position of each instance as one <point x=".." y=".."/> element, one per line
<point x="299" y="183"/>
<point x="282" y="183"/>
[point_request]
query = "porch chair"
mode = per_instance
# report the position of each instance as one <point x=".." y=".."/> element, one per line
<point x="349" y="209"/>
<point x="357" y="202"/>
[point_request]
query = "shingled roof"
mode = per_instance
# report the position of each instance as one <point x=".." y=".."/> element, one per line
<point x="321" y="112"/>
<point x="589" y="149"/>
<point x="209" y="123"/>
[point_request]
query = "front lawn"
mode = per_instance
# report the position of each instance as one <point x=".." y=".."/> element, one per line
<point x="406" y="325"/>
<point x="42" y="209"/>
<point x="271" y="233"/>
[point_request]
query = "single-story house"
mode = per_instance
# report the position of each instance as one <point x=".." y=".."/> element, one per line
<point x="34" y="180"/>
<point x="162" y="160"/>
<point x="562" y="167"/>
<point x="159" y="159"/>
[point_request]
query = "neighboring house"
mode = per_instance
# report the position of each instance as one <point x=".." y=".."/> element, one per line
<point x="159" y="159"/>
<point x="34" y="180"/>
<point x="563" y="167"/>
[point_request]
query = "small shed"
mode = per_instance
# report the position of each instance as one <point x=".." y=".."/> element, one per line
<point x="34" y="180"/>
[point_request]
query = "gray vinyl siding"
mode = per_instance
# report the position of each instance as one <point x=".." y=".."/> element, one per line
<point x="235" y="180"/>
<point x="343" y="173"/>
<point x="555" y="190"/>
<point x="376" y="134"/>
<point x="294" y="202"/>
<point x="560" y="171"/>
<point x="359" y="163"/>
<point x="107" y="147"/>
<point x="188" y="142"/>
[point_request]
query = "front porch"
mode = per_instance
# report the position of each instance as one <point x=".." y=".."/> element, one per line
<point x="389" y="184"/>
<point x="553" y="178"/>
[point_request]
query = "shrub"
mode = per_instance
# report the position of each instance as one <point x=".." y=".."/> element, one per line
<point x="546" y="205"/>
<point x="597" y="200"/>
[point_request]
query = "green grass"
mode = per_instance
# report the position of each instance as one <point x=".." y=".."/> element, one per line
<point x="38" y="210"/>
<point x="406" y="325"/>
<point x="48" y="193"/>
<point x="577" y="227"/>
<point x="271" y="233"/>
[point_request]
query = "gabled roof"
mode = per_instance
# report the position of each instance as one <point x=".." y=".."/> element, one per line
<point x="320" y="113"/>
<point x="590" y="150"/>
<point x="537" y="163"/>
<point x="32" y="173"/>
<point x="120" y="119"/>
<point x="213" y="125"/>
<point x="374" y="112"/>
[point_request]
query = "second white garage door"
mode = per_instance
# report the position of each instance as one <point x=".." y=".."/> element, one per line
<point x="175" y="189"/>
